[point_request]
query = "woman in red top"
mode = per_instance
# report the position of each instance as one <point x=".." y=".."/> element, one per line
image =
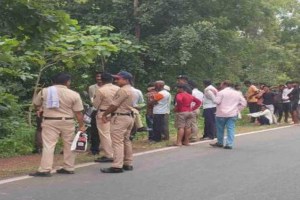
<point x="184" y="115"/>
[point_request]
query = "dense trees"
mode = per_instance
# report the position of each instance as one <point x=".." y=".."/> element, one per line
<point x="246" y="39"/>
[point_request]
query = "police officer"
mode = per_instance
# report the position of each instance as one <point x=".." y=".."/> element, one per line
<point x="102" y="100"/>
<point x="59" y="105"/>
<point x="121" y="124"/>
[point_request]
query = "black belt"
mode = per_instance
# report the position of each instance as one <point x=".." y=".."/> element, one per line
<point x="102" y="110"/>
<point x="123" y="114"/>
<point x="58" y="118"/>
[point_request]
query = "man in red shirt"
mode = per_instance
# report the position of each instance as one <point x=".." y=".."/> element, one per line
<point x="184" y="113"/>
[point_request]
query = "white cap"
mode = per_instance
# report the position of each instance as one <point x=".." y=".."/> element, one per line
<point x="167" y="88"/>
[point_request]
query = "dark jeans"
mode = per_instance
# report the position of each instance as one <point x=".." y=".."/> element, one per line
<point x="286" y="108"/>
<point x="278" y="111"/>
<point x="94" y="136"/>
<point x="253" y="107"/>
<point x="149" y="122"/>
<point x="209" y="115"/>
<point x="159" y="127"/>
<point x="263" y="120"/>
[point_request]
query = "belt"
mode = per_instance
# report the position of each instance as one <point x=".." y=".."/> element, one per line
<point x="58" y="118"/>
<point x="102" y="110"/>
<point x="123" y="114"/>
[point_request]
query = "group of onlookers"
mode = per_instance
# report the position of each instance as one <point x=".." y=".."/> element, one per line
<point x="268" y="104"/>
<point x="116" y="117"/>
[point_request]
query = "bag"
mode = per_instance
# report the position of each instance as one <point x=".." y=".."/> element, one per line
<point x="87" y="117"/>
<point x="79" y="143"/>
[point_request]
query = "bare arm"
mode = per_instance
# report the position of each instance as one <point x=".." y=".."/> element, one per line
<point x="79" y="117"/>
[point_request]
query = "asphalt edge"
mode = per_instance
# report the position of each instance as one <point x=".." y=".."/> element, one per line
<point x="144" y="153"/>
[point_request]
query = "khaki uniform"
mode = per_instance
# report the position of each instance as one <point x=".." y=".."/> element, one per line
<point x="59" y="123"/>
<point x="103" y="98"/>
<point x="121" y="125"/>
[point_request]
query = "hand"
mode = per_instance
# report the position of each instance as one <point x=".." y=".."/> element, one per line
<point x="82" y="128"/>
<point x="105" y="119"/>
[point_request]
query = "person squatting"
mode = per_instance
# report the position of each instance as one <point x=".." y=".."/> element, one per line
<point x="117" y="105"/>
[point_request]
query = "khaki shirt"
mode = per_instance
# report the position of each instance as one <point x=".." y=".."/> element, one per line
<point x="104" y="96"/>
<point x="92" y="91"/>
<point x="123" y="99"/>
<point x="69" y="102"/>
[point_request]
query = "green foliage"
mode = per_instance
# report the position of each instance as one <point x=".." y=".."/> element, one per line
<point x="20" y="143"/>
<point x="237" y="40"/>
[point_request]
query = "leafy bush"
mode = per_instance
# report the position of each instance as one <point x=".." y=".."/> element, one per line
<point x="19" y="143"/>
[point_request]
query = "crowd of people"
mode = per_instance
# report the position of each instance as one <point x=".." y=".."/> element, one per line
<point x="116" y="115"/>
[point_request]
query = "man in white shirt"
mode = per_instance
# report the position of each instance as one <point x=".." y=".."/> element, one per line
<point x="161" y="102"/>
<point x="94" y="138"/>
<point x="264" y="117"/>
<point x="286" y="103"/>
<point x="199" y="95"/>
<point x="209" y="110"/>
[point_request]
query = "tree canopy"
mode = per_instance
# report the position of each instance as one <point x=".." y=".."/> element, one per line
<point x="257" y="40"/>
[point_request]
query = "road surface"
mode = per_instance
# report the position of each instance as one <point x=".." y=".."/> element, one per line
<point x="262" y="166"/>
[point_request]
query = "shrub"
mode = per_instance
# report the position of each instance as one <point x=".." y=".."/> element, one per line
<point x="19" y="143"/>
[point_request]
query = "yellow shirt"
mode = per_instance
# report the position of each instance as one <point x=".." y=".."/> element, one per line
<point x="251" y="94"/>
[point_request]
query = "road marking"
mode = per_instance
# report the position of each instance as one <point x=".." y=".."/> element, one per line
<point x="144" y="153"/>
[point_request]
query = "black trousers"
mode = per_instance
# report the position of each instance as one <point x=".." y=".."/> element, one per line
<point x="286" y="108"/>
<point x="209" y="115"/>
<point x="263" y="120"/>
<point x="94" y="136"/>
<point x="159" y="127"/>
<point x="253" y="107"/>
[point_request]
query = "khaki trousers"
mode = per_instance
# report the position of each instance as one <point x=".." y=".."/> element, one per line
<point x="104" y="134"/>
<point x="51" y="131"/>
<point x="194" y="134"/>
<point x="120" y="132"/>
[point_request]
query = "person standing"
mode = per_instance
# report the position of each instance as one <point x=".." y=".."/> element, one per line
<point x="149" y="111"/>
<point x="278" y="110"/>
<point x="209" y="111"/>
<point x="229" y="103"/>
<point x="121" y="123"/>
<point x="294" y="98"/>
<point x="286" y="102"/>
<point x="94" y="137"/>
<point x="103" y="98"/>
<point x="251" y="99"/>
<point x="59" y="105"/>
<point x="161" y="102"/>
<point x="186" y="104"/>
<point x="199" y="95"/>
<point x="268" y="98"/>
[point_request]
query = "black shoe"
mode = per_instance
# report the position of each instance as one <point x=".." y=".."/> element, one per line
<point x="227" y="147"/>
<point x="216" y="145"/>
<point x="111" y="170"/>
<point x="41" y="174"/>
<point x="128" y="167"/>
<point x="63" y="171"/>
<point x="104" y="159"/>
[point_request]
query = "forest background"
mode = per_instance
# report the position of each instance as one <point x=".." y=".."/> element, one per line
<point x="239" y="40"/>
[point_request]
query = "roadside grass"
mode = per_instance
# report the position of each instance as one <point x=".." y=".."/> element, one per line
<point x="22" y="165"/>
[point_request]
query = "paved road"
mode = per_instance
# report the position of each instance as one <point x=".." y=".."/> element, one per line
<point x="263" y="166"/>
